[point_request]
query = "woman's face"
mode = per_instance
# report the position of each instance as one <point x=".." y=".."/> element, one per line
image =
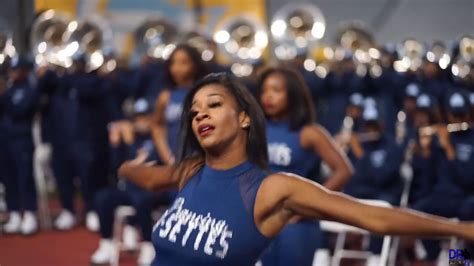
<point x="181" y="68"/>
<point x="274" y="98"/>
<point x="409" y="104"/>
<point x="217" y="123"/>
<point x="421" y="119"/>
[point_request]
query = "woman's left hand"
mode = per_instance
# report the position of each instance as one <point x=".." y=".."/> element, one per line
<point x="467" y="232"/>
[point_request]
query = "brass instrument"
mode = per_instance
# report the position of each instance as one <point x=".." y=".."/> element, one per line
<point x="243" y="40"/>
<point x="411" y="53"/>
<point x="438" y="54"/>
<point x="201" y="42"/>
<point x="462" y="67"/>
<point x="91" y="37"/>
<point x="47" y="39"/>
<point x="7" y="50"/>
<point x="356" y="38"/>
<point x="56" y="39"/>
<point x="296" y="28"/>
<point x="156" y="37"/>
<point x="452" y="127"/>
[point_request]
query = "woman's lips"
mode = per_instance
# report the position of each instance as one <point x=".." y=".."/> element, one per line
<point x="267" y="105"/>
<point x="205" y="130"/>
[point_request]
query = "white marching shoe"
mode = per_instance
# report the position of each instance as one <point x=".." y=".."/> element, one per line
<point x="13" y="225"/>
<point x="104" y="253"/>
<point x="373" y="260"/>
<point x="29" y="225"/>
<point x="130" y="238"/>
<point x="147" y="254"/>
<point x="92" y="221"/>
<point x="322" y="257"/>
<point x="65" y="221"/>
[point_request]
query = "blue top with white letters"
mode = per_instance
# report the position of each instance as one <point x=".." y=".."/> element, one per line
<point x="211" y="221"/>
<point x="287" y="155"/>
<point x="173" y="116"/>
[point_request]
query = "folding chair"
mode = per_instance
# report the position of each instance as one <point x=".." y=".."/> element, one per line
<point x="121" y="213"/>
<point x="41" y="169"/>
<point x="342" y="229"/>
<point x="406" y="173"/>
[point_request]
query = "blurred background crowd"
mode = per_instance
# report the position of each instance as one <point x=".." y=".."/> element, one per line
<point x="85" y="85"/>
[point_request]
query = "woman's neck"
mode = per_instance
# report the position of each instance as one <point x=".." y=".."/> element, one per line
<point x="228" y="157"/>
<point x="185" y="83"/>
<point x="279" y="118"/>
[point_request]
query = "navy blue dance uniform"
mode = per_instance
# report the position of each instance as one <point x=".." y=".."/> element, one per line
<point x="297" y="242"/>
<point x="173" y="111"/>
<point x="211" y="221"/>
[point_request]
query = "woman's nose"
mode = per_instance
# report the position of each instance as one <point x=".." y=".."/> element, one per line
<point x="202" y="115"/>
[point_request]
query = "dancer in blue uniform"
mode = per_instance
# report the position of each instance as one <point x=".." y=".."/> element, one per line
<point x="183" y="68"/>
<point x="228" y="207"/>
<point x="297" y="145"/>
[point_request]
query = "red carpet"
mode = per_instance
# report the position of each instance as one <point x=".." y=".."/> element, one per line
<point x="53" y="248"/>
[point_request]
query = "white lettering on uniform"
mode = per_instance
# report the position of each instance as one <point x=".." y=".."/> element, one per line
<point x="279" y="154"/>
<point x="463" y="152"/>
<point x="377" y="158"/>
<point x="224" y="244"/>
<point x="173" y="112"/>
<point x="177" y="220"/>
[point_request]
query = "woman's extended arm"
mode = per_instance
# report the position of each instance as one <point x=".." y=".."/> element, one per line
<point x="318" y="139"/>
<point x="153" y="177"/>
<point x="282" y="197"/>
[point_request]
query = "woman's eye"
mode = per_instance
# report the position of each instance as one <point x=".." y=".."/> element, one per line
<point x="193" y="113"/>
<point x="214" y="104"/>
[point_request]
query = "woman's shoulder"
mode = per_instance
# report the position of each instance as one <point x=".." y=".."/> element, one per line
<point x="188" y="168"/>
<point x="313" y="132"/>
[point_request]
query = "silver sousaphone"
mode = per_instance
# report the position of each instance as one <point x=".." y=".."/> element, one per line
<point x="47" y="38"/>
<point x="92" y="38"/>
<point x="243" y="39"/>
<point x="156" y="37"/>
<point x="7" y="50"/>
<point x="463" y="65"/>
<point x="296" y="28"/>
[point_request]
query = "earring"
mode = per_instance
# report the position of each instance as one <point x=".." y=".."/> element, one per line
<point x="245" y="125"/>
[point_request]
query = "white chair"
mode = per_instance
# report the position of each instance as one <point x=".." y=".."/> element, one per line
<point x="121" y="213"/>
<point x="41" y="170"/>
<point x="406" y="173"/>
<point x="3" y="204"/>
<point x="342" y="229"/>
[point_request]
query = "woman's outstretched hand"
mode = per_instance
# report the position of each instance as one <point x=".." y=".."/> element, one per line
<point x="468" y="233"/>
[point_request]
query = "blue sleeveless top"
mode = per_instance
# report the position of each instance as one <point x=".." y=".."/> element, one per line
<point x="286" y="154"/>
<point x="173" y="116"/>
<point x="211" y="221"/>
